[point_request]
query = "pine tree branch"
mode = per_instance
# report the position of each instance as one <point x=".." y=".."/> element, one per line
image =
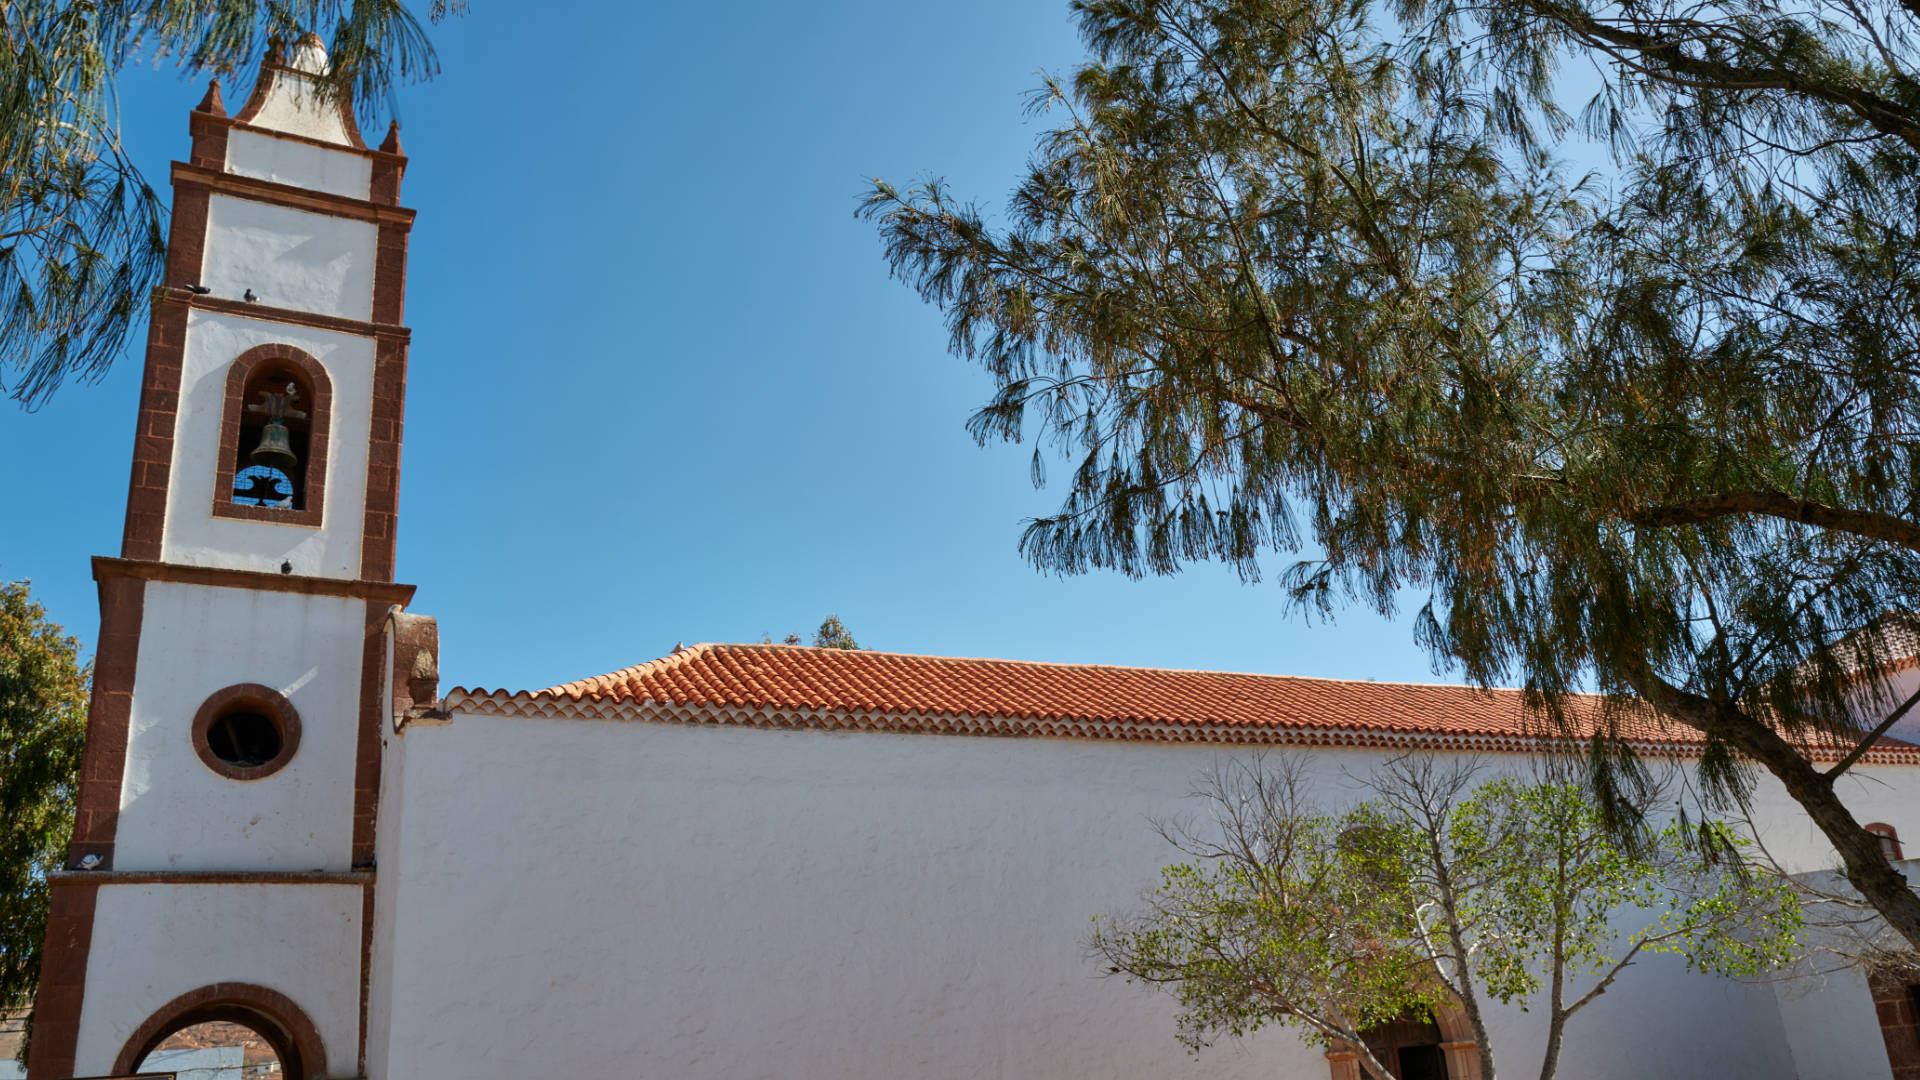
<point x="1663" y="59"/>
<point x="1871" y="737"/>
<point x="1865" y="867"/>
<point x="1778" y="504"/>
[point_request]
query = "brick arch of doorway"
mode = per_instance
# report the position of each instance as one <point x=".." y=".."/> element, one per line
<point x="1456" y="1042"/>
<point x="286" y="1028"/>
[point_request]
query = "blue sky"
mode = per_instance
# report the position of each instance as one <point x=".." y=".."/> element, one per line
<point x="661" y="386"/>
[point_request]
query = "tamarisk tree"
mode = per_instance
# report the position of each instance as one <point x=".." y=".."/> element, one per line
<point x="81" y="245"/>
<point x="1434" y="894"/>
<point x="1318" y="272"/>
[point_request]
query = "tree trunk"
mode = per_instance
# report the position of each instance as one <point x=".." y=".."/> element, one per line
<point x="1371" y="1067"/>
<point x="1866" y="864"/>
<point x="1550" y="1062"/>
<point x="1469" y="1000"/>
<point x="1485" y="1045"/>
<point x="1867" y="868"/>
<point x="1556" y="1001"/>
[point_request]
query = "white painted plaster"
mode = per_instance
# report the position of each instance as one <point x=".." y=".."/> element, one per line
<point x="289" y="258"/>
<point x="175" y="812"/>
<point x="192" y="534"/>
<point x="283" y="161"/>
<point x="309" y="56"/>
<point x="1898" y="689"/>
<point x="388" y="838"/>
<point x="596" y="898"/>
<point x="293" y="107"/>
<point x="300" y="940"/>
<point x="1829" y="1021"/>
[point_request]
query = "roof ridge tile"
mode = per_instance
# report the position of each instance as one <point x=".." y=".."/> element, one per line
<point x="896" y="691"/>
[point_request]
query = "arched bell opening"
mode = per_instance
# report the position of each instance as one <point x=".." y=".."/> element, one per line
<point x="251" y="1023"/>
<point x="273" y="443"/>
<point x="275" y="423"/>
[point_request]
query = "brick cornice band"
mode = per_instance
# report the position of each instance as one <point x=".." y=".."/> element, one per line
<point x="181" y="299"/>
<point x="106" y="878"/>
<point x="235" y="123"/>
<point x="386" y="592"/>
<point x="188" y="176"/>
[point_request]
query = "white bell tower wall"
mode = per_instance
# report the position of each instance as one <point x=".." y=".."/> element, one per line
<point x="223" y="859"/>
<point x="193" y="535"/>
<point x="175" y="811"/>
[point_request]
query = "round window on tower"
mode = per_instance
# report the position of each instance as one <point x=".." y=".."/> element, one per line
<point x="246" y="732"/>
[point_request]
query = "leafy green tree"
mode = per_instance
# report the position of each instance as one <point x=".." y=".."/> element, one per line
<point x="81" y="244"/>
<point x="43" y="707"/>
<point x="1434" y="894"/>
<point x="1299" y="271"/>
<point x="833" y="634"/>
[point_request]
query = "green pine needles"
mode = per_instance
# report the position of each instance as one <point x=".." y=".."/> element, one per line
<point x="81" y="243"/>
<point x="1436" y="894"/>
<point x="1291" y="275"/>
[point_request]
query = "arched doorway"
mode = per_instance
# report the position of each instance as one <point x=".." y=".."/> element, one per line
<point x="1410" y="1046"/>
<point x="214" y="1050"/>
<point x="269" y="1031"/>
<point x="1418" y="1046"/>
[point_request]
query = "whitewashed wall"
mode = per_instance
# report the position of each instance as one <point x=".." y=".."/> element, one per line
<point x="389" y="837"/>
<point x="175" y="813"/>
<point x="1830" y="1022"/>
<point x="292" y="106"/>
<point x="595" y="898"/>
<point x="301" y="940"/>
<point x="193" y="535"/>
<point x="1898" y="688"/>
<point x="289" y="258"/>
<point x="301" y="164"/>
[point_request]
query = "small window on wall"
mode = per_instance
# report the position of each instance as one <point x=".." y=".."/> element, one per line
<point x="273" y="443"/>
<point x="1889" y="840"/>
<point x="246" y="732"/>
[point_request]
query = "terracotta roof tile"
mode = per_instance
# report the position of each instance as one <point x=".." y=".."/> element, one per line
<point x="789" y="685"/>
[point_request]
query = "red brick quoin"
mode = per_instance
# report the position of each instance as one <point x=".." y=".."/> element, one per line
<point x="1894" y="1002"/>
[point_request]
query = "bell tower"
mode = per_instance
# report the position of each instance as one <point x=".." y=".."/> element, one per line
<point x="222" y="863"/>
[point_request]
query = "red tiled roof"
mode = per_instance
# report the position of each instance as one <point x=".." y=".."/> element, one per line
<point x="789" y="685"/>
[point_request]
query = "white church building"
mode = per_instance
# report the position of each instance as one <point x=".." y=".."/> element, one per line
<point x="730" y="863"/>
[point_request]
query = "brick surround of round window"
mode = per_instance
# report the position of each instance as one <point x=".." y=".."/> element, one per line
<point x="230" y="715"/>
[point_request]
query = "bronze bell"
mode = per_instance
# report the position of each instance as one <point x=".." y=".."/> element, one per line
<point x="276" y="449"/>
